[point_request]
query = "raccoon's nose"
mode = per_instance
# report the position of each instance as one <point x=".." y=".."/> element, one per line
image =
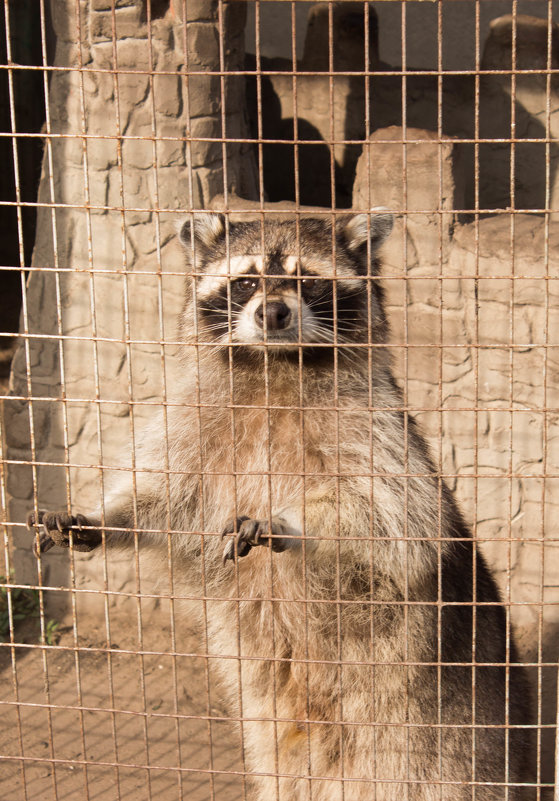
<point x="278" y="315"/>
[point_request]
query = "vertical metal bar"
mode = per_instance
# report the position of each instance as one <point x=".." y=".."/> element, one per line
<point x="295" y="108"/>
<point x="335" y="399"/>
<point x="96" y="372"/>
<point x="162" y="341"/>
<point x="406" y="343"/>
<point x="236" y="513"/>
<point x="61" y="357"/>
<point x="9" y="599"/>
<point x="8" y="568"/>
<point x="301" y="400"/>
<point x="130" y="387"/>
<point x="545" y="424"/>
<point x="511" y="388"/>
<point x="260" y="133"/>
<point x="223" y="96"/>
<point x="440" y="140"/>
<point x="201" y="489"/>
<point x="25" y="326"/>
<point x="556" y="793"/>
<point x="440" y="393"/>
<point x="4" y="505"/>
<point x="11" y="621"/>
<point x="267" y="444"/>
<point x="475" y="367"/>
<point x="221" y="34"/>
<point x="371" y="395"/>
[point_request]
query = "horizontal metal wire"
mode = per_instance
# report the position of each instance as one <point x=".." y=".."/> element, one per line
<point x="305" y="721"/>
<point x="313" y="777"/>
<point x="60" y="269"/>
<point x="369" y="602"/>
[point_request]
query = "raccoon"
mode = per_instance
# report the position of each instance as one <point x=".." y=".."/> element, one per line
<point x="362" y="639"/>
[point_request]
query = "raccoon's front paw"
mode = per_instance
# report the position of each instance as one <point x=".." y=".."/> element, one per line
<point x="55" y="528"/>
<point x="248" y="534"/>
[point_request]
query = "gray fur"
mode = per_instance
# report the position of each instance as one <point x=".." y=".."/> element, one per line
<point x="348" y="683"/>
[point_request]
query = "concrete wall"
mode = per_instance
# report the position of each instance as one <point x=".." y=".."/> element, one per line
<point x="478" y="303"/>
<point x="130" y="152"/>
<point x="458" y="20"/>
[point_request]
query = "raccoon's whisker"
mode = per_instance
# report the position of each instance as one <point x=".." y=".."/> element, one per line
<point x="214" y="327"/>
<point x="211" y="310"/>
<point x="317" y="332"/>
<point x="329" y="317"/>
<point x="339" y="326"/>
<point x="338" y="342"/>
<point x="336" y="337"/>
<point x="351" y="356"/>
<point x="233" y="304"/>
<point x="317" y="302"/>
<point x="226" y="316"/>
<point x="341" y="344"/>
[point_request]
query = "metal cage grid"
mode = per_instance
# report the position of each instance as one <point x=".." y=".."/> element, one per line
<point x="194" y="747"/>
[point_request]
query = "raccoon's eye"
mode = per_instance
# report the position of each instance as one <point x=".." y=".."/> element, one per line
<point x="246" y="283"/>
<point x="309" y="284"/>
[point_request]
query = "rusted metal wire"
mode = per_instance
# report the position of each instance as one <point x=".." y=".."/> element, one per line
<point x="146" y="761"/>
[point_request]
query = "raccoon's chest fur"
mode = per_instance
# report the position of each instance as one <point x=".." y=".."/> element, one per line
<point x="259" y="460"/>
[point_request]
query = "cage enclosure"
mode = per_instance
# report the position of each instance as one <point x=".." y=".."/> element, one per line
<point x="122" y="121"/>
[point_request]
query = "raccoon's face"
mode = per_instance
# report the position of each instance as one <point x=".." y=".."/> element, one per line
<point x="281" y="286"/>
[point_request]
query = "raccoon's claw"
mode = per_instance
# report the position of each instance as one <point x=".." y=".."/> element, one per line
<point x="45" y="542"/>
<point x="238" y="545"/>
<point x="248" y="534"/>
<point x="55" y="528"/>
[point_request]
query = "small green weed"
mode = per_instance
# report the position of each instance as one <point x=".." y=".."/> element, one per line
<point x="25" y="605"/>
<point x="52" y="635"/>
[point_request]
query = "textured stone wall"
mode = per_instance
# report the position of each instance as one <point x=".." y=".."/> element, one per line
<point x="422" y="27"/>
<point x="495" y="431"/>
<point x="342" y="110"/>
<point x="474" y="313"/>
<point x="135" y="142"/>
<point x="478" y="309"/>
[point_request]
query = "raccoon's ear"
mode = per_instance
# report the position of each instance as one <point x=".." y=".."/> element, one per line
<point x="207" y="229"/>
<point x="375" y="227"/>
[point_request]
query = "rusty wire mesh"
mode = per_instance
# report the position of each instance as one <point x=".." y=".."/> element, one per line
<point x="115" y="696"/>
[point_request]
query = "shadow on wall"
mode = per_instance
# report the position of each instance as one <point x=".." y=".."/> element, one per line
<point x="497" y="174"/>
<point x="504" y="175"/>
<point x="282" y="161"/>
<point x="20" y="159"/>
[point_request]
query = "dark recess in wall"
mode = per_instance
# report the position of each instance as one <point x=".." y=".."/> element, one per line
<point x="29" y="116"/>
<point x="157" y="8"/>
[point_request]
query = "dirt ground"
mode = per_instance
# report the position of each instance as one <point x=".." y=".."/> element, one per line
<point x="68" y="715"/>
<point x="124" y="719"/>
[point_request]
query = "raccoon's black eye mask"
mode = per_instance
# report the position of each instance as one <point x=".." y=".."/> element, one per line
<point x="310" y="284"/>
<point x="243" y="288"/>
